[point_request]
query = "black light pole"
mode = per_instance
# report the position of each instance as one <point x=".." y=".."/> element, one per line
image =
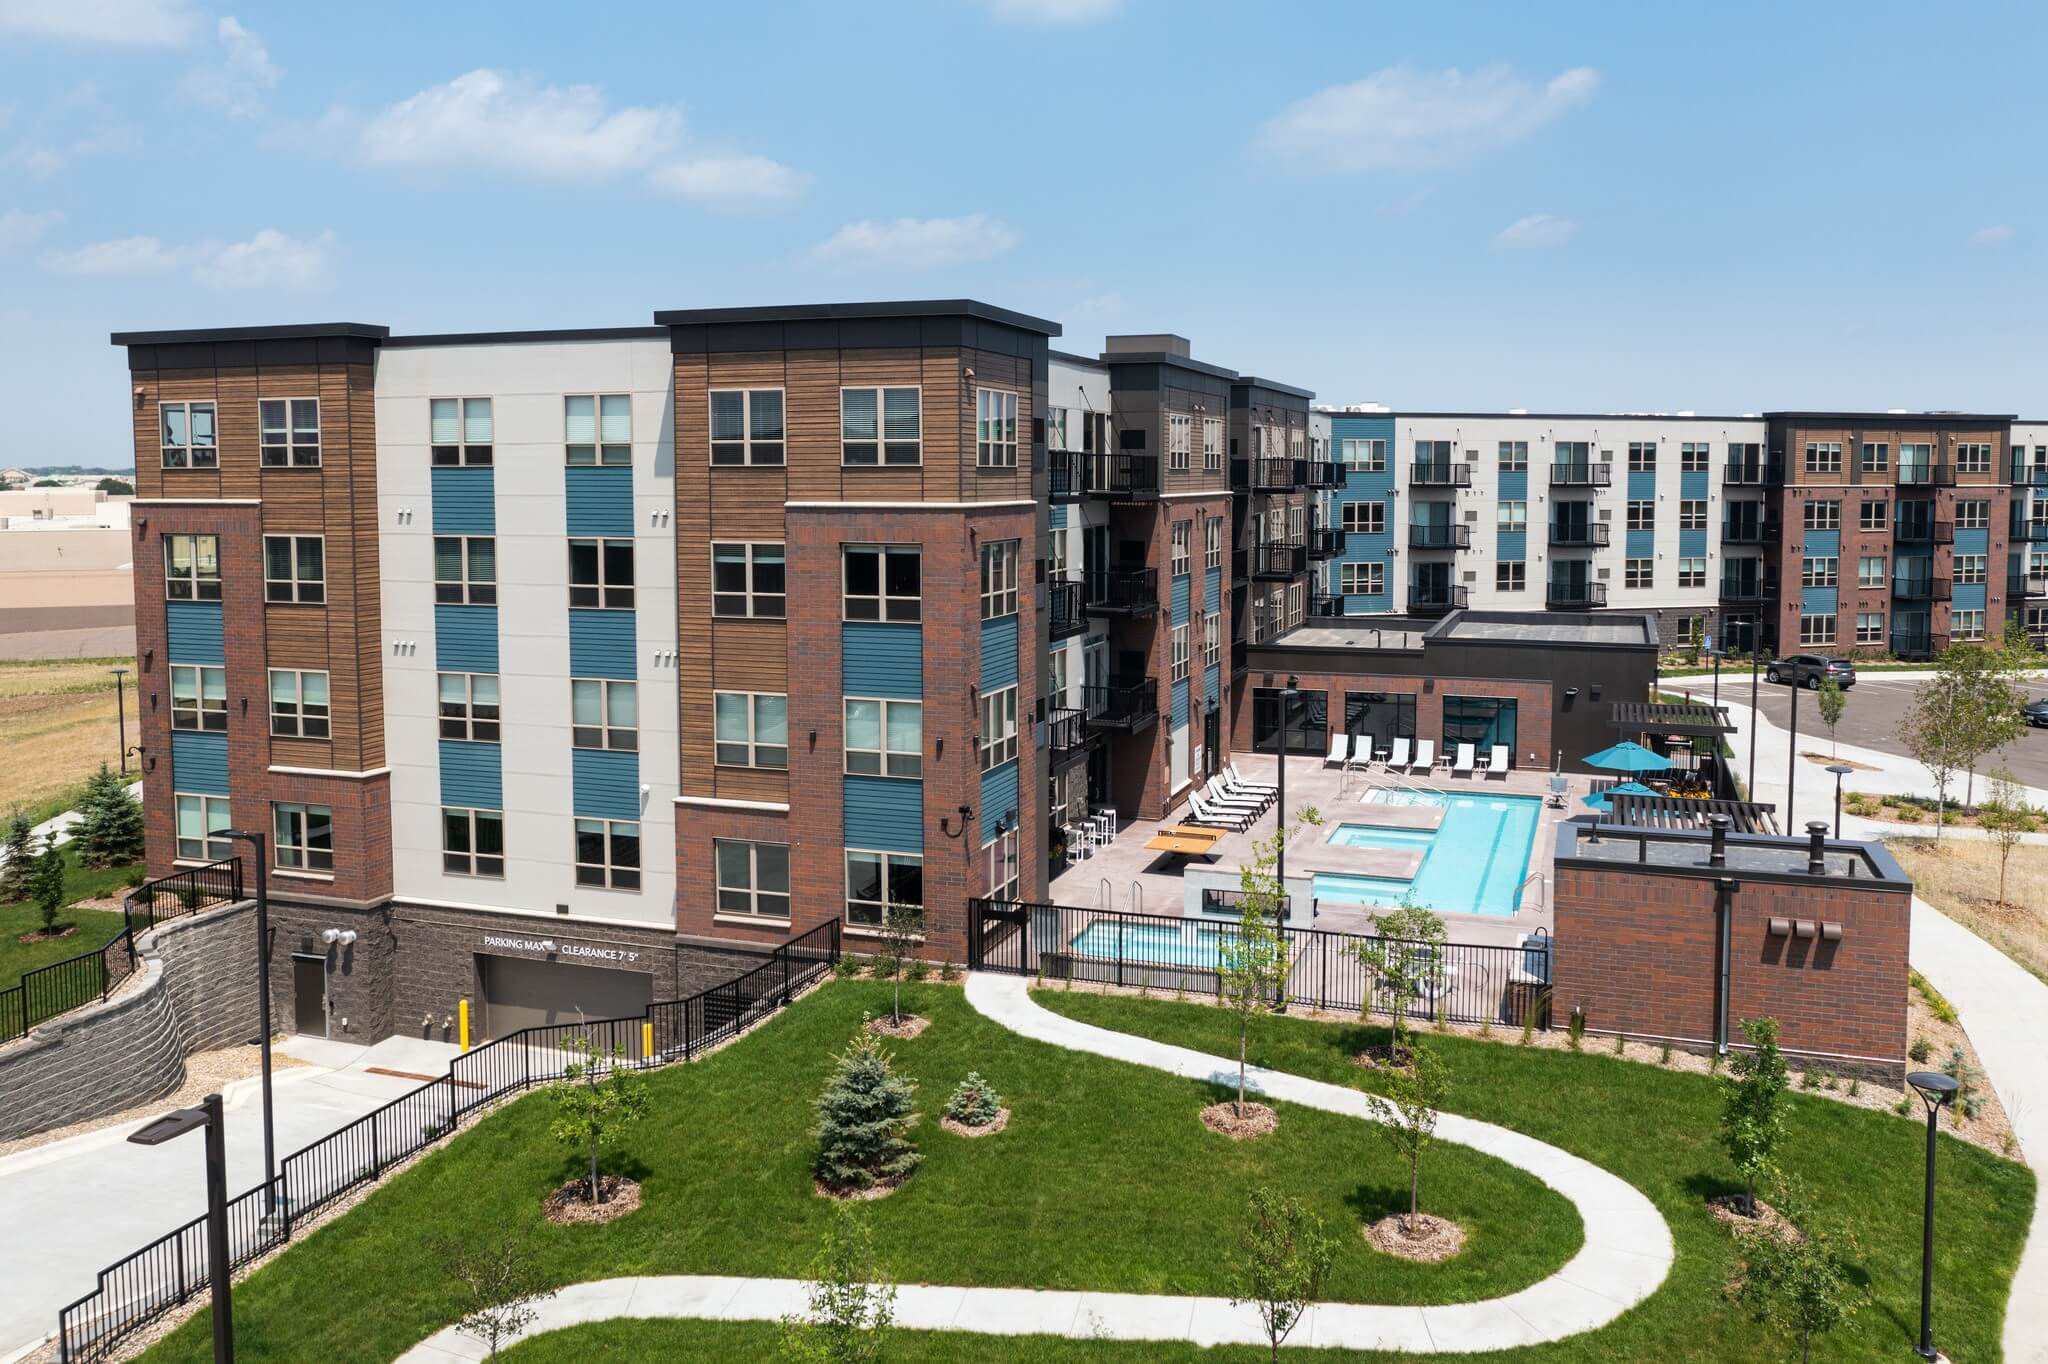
<point x="121" y="715"/>
<point x="256" y="840"/>
<point x="1287" y="696"/>
<point x="1792" y="755"/>
<point x="1839" y="772"/>
<point x="1717" y="655"/>
<point x="218" y="1270"/>
<point x="1938" y="1091"/>
<point x="1753" y="660"/>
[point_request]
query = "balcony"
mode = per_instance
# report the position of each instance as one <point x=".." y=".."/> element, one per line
<point x="1325" y="543"/>
<point x="1067" y="735"/>
<point x="1323" y="474"/>
<point x="1240" y="566"/>
<point x="1440" y="473"/>
<point x="1942" y="475"/>
<point x="1067" y="608"/>
<point x="1919" y="587"/>
<point x="1435" y="599"/>
<point x="1123" y="706"/>
<point x="1119" y="476"/>
<point x="1580" y="535"/>
<point x="1911" y="643"/>
<point x="2027" y="584"/>
<point x="1750" y="473"/>
<point x="1924" y="532"/>
<point x="1325" y="604"/>
<point x="1064" y="476"/>
<point x="1575" y="475"/>
<point x="1279" y="562"/>
<point x="1574" y="596"/>
<point x="1122" y="591"/>
<point x="1270" y="475"/>
<point x="1741" y="591"/>
<point x="2029" y="475"/>
<point x="1240" y="657"/>
<point x="1438" y="535"/>
<point x="2030" y="531"/>
<point x="1757" y="531"/>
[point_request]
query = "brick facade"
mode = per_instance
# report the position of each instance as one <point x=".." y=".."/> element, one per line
<point x="1533" y="703"/>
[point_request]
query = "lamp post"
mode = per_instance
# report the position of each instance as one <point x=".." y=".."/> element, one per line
<point x="1839" y="772"/>
<point x="1754" y="659"/>
<point x="1287" y="696"/>
<point x="121" y="714"/>
<point x="1717" y="655"/>
<point x="218" y="1270"/>
<point x="1937" y="1091"/>
<point x="1792" y="754"/>
<point x="256" y="840"/>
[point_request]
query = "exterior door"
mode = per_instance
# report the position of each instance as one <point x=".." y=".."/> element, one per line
<point x="309" y="996"/>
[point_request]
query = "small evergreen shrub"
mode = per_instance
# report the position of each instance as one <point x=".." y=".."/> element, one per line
<point x="1664" y="1055"/>
<point x="1920" y="1050"/>
<point x="916" y="969"/>
<point x="948" y="971"/>
<point x="1620" y="1043"/>
<point x="1575" y="1029"/>
<point x="864" y="1118"/>
<point x="973" y="1103"/>
<point x="845" y="968"/>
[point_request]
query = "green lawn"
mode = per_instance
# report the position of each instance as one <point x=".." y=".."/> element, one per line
<point x="1105" y="1179"/>
<point x="95" y="926"/>
<point x="1658" y="1129"/>
<point x="698" y="1340"/>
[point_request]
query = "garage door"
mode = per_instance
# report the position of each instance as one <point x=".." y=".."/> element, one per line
<point x="521" y="993"/>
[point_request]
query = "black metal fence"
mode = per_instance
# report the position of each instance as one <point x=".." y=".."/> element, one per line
<point x="169" y="1270"/>
<point x="62" y="986"/>
<point x="1462" y="982"/>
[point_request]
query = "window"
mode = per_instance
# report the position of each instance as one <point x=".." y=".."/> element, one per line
<point x="1183" y="533"/>
<point x="1969" y="625"/>
<point x="881" y="426"/>
<point x="883" y="584"/>
<point x="1970" y="568"/>
<point x="459" y="430"/>
<point x="1875" y="458"/>
<point x="189" y="440"/>
<point x="1973" y="457"/>
<point x="304" y="837"/>
<point x="203" y="822"/>
<point x="1577" y="453"/>
<point x="465" y="570"/>
<point x="1180" y="653"/>
<point x="748" y="581"/>
<point x="295" y="568"/>
<point x="1514" y="456"/>
<point x="1875" y="515"/>
<point x="601" y="574"/>
<point x="753" y="878"/>
<point x="289" y="432"/>
<point x="1511" y="575"/>
<point x="1824" y="457"/>
<point x="1179" y="441"/>
<point x="1692" y="457"/>
<point x="1638" y="572"/>
<point x="1366" y="456"/>
<point x="1972" y="513"/>
<point x="608" y="854"/>
<point x="1870" y="627"/>
<point x="1817" y="629"/>
<point x="598" y="429"/>
<point x="298" y="704"/>
<point x="1512" y="516"/>
<point x="999" y="856"/>
<point x="1212" y="551"/>
<point x="1363" y="518"/>
<point x="996" y="429"/>
<point x="469" y="706"/>
<point x="1692" y="571"/>
<point x="1870" y="570"/>
<point x="878" y="882"/>
<point x="1434" y="452"/>
<point x="746" y="426"/>
<point x="1692" y="515"/>
<point x="192" y="567"/>
<point x="999" y="727"/>
<point x="752" y="729"/>
<point x="999" y="579"/>
<point x="1642" y="456"/>
<point x="1212" y="444"/>
<point x="1824" y="515"/>
<point x="1642" y="515"/>
<point x="1212" y="636"/>
<point x="473" y="842"/>
<point x="604" y="714"/>
<point x="1362" y="580"/>
<point x="1819" y="570"/>
<point x="199" y="698"/>
<point x="884" y="738"/>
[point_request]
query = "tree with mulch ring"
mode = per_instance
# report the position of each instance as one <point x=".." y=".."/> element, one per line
<point x="864" y="1118"/>
<point x="1753" y="1106"/>
<point x="902" y="1027"/>
<point x="902" y="932"/>
<point x="1404" y="960"/>
<point x="602" y="1095"/>
<point x="1251" y="974"/>
<point x="1794" y="1279"/>
<point x="975" y="1110"/>
<point x="1406" y="1115"/>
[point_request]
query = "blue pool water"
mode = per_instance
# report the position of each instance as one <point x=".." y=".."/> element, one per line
<point x="1473" y="863"/>
<point x="1160" y="944"/>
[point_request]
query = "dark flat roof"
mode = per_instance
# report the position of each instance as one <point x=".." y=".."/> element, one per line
<point x="848" y="312"/>
<point x="1275" y="386"/>
<point x="1113" y="358"/>
<point x="1683" y="851"/>
<point x="1896" y="418"/>
<point x="1068" y="357"/>
<point x="1546" y="627"/>
<point x="515" y="338"/>
<point x="295" y="332"/>
<point x="1554" y="416"/>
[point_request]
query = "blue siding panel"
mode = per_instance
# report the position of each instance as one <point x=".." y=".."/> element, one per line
<point x="884" y="815"/>
<point x="1639" y="544"/>
<point x="1642" y="485"/>
<point x="1361" y="486"/>
<point x="1968" y="597"/>
<point x="1180" y="703"/>
<point x="1213" y="686"/>
<point x="1971" y="596"/>
<point x="199" y="762"/>
<point x="465" y="501"/>
<point x="1181" y="592"/>
<point x="607" y="784"/>
<point x="1693" y="484"/>
<point x="601" y="643"/>
<point x="600" y="500"/>
<point x="472" y="775"/>
<point x="466" y="638"/>
<point x="878" y="659"/>
<point x="1212" y="590"/>
<point x="1816" y="601"/>
<point x="1692" y="543"/>
<point x="196" y="632"/>
<point x="998" y="798"/>
<point x="1056" y="516"/>
<point x="1819" y="544"/>
<point x="1514" y="485"/>
<point x="998" y="653"/>
<point x="1513" y="546"/>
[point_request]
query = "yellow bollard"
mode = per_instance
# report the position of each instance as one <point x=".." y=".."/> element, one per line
<point x="646" y="1040"/>
<point x="462" y="1015"/>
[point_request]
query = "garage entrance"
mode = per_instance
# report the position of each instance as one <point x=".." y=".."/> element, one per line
<point x="520" y="992"/>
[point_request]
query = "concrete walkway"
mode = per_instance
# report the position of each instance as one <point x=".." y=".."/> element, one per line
<point x="1627" y="1252"/>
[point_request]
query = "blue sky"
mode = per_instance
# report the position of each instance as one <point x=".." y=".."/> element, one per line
<point x="1715" y="208"/>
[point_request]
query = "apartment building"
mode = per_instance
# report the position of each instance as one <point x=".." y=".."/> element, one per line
<point x="2026" y="592"/>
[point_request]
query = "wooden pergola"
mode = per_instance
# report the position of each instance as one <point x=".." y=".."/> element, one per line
<point x="1684" y="812"/>
<point x="1695" y="719"/>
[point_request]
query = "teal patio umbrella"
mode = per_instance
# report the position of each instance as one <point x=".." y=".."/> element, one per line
<point x="1628" y="757"/>
<point x="1599" y="799"/>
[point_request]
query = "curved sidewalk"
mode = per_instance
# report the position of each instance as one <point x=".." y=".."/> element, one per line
<point x="1627" y="1253"/>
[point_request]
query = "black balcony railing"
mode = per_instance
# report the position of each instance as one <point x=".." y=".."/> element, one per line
<point x="2029" y="475"/>
<point x="1325" y="542"/>
<point x="1323" y="474"/>
<point x="1919" y="587"/>
<point x="1738" y="590"/>
<point x="2030" y="531"/>
<point x="1325" y="604"/>
<point x="1567" y="595"/>
<point x="1915" y="530"/>
<point x="1438" y="535"/>
<point x="1271" y="475"/>
<point x="1240" y="475"/>
<point x="1067" y="608"/>
<point x="1240" y="566"/>
<point x="1122" y="591"/>
<point x="1277" y="561"/>
<point x="1240" y="657"/>
<point x="1748" y="530"/>
<point x="1433" y="599"/>
<point x="2024" y="582"/>
<point x="1124" y="705"/>
<point x="1064" y="477"/>
<point x="1576" y="475"/>
<point x="1579" y="534"/>
<point x="1938" y="475"/>
<point x="1911" y="643"/>
<point x="1440" y="473"/>
<point x="1750" y="473"/>
<point x="1068" y="736"/>
<point x="1119" y="475"/>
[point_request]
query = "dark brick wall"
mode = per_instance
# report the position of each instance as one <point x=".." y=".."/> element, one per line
<point x="1532" y="704"/>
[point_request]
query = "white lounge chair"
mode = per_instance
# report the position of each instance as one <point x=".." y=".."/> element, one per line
<point x="1497" y="761"/>
<point x="1220" y="787"/>
<point x="1221" y="819"/>
<point x="1340" y="752"/>
<point x="1467" y="756"/>
<point x="1223" y="800"/>
<point x="1399" y="756"/>
<point x="1425" y="755"/>
<point x="1237" y="778"/>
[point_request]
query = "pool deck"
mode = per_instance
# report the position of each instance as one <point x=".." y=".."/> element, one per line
<point x="1133" y="878"/>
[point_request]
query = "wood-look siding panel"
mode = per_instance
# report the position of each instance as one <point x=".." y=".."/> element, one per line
<point x="749" y="783"/>
<point x="811" y="408"/>
<point x="355" y="393"/>
<point x="745" y="504"/>
<point x="239" y="475"/>
<point x="318" y="753"/>
<point x="750" y="656"/>
<point x="297" y="637"/>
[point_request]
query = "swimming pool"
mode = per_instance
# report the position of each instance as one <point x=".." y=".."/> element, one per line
<point x="1474" y="863"/>
<point x="1155" y="944"/>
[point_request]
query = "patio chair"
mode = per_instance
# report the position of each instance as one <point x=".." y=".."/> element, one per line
<point x="1497" y="761"/>
<point x="1467" y="755"/>
<point x="1340" y="752"/>
<point x="1238" y="777"/>
<point x="1220" y="792"/>
<point x="1398" y="756"/>
<point x="1233" y="820"/>
<point x="1425" y="755"/>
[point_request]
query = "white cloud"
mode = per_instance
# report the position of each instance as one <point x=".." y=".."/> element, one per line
<point x="914" y="243"/>
<point x="268" y="260"/>
<point x="123" y="256"/>
<point x="126" y="23"/>
<point x="20" y="229"/>
<point x="1053" y="11"/>
<point x="1538" y="229"/>
<point x="728" y="179"/>
<point x="1402" y="118"/>
<point x="239" y="81"/>
<point x="1993" y="235"/>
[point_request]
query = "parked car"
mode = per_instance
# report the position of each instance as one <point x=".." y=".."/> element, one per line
<point x="1807" y="670"/>
<point x="2037" y="713"/>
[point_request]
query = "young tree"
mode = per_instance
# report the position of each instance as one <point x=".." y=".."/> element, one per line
<point x="1251" y="960"/>
<point x="851" y="1309"/>
<point x="1800" y="1283"/>
<point x="1932" y="731"/>
<point x="1406" y="957"/>
<point x="1753" y="1106"/>
<point x="19" y="851"/>
<point x="1990" y="703"/>
<point x="1282" y="1265"/>
<point x="602" y="1096"/>
<point x="1407" y="1113"/>
<point x="46" y="885"/>
<point x="864" y="1118"/>
<point x="2007" y="818"/>
<point x="1833" y="701"/>
<point x="902" y="932"/>
<point x="109" y="831"/>
<point x="499" y="1283"/>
